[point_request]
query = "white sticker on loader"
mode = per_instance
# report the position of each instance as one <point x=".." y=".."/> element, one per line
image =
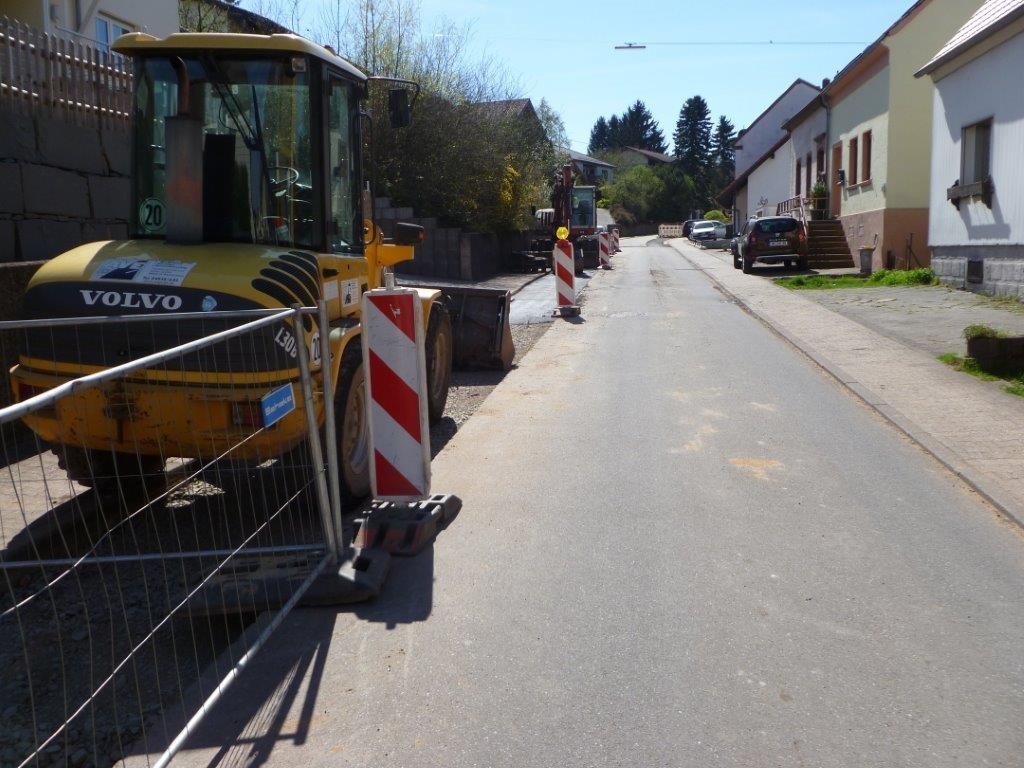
<point x="152" y="217"/>
<point x="144" y="271"/>
<point x="350" y="293"/>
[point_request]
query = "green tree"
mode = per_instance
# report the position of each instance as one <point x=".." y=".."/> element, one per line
<point x="599" y="137"/>
<point x="692" y="137"/>
<point x="635" y="191"/>
<point x="723" y="154"/>
<point x="677" y="198"/>
<point x="615" y="132"/>
<point x="554" y="126"/>
<point x="639" y="129"/>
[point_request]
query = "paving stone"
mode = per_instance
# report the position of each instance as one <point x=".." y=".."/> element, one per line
<point x="117" y="148"/>
<point x="17" y="137"/>
<point x="44" y="239"/>
<point x="10" y="188"/>
<point x="53" y="191"/>
<point x="64" y="145"/>
<point x="8" y="243"/>
<point x="110" y="196"/>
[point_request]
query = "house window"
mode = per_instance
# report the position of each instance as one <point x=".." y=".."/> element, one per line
<point x="851" y="171"/>
<point x="976" y="152"/>
<point x="807" y="173"/>
<point x="799" y="175"/>
<point x="107" y="31"/>
<point x="865" y="150"/>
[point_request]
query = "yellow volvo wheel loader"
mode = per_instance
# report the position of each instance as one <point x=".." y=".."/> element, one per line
<point x="248" y="194"/>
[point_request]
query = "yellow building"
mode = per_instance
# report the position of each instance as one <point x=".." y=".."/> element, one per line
<point x="879" y="132"/>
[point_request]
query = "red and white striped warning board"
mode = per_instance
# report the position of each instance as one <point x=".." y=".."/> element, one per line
<point x="615" y="240"/>
<point x="396" y="387"/>
<point x="564" y="267"/>
<point x="603" y="250"/>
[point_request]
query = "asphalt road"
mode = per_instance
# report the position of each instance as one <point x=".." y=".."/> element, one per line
<point x="682" y="545"/>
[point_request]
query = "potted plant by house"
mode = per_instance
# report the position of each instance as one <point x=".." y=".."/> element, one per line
<point x="817" y="197"/>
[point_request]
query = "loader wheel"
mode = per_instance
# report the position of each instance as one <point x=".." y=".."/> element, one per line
<point x="438" y="349"/>
<point x="106" y="471"/>
<point x="351" y="428"/>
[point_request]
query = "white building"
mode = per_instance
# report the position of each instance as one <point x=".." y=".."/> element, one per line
<point x="766" y="131"/>
<point x="976" y="223"/>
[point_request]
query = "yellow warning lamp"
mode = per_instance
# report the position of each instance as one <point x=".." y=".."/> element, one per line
<point x="561" y="233"/>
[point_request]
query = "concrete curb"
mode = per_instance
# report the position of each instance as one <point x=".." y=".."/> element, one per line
<point x="992" y="492"/>
<point x="532" y="280"/>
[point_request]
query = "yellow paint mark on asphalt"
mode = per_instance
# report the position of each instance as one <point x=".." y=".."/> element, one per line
<point x="758" y="467"/>
<point x="765" y="407"/>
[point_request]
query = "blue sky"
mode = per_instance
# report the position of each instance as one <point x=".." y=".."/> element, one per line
<point x="563" y="50"/>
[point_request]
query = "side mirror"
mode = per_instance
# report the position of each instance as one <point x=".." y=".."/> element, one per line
<point x="399" y="108"/>
<point x="408" y="234"/>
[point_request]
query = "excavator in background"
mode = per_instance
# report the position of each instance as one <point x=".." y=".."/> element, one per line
<point x="575" y="208"/>
<point x="248" y="193"/>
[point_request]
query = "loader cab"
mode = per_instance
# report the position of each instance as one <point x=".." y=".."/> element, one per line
<point x="246" y="139"/>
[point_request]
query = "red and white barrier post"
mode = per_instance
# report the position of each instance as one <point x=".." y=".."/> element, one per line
<point x="396" y="385"/>
<point x="604" y="250"/>
<point x="615" y="240"/>
<point x="563" y="265"/>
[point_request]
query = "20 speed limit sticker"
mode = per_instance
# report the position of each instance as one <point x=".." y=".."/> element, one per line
<point x="151" y="215"/>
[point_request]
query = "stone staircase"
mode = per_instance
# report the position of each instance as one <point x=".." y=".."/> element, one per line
<point x="827" y="246"/>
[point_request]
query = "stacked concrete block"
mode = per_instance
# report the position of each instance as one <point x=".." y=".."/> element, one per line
<point x="60" y="185"/>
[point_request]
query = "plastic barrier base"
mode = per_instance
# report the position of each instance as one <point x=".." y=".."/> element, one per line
<point x="405" y="528"/>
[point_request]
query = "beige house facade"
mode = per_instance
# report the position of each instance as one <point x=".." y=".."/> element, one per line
<point x="95" y="22"/>
<point x="880" y="133"/>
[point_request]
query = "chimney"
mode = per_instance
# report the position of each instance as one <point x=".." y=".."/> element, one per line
<point x="825" y="83"/>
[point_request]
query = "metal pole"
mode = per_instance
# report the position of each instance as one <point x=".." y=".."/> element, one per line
<point x="315" y="448"/>
<point x="330" y="429"/>
<point x="69" y="562"/>
<point x="229" y="678"/>
<point x="57" y="322"/>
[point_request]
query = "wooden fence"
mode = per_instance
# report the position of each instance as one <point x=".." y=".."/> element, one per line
<point x="42" y="73"/>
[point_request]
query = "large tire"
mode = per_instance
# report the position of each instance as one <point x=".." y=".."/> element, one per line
<point x="352" y="432"/>
<point x="736" y="263"/>
<point x="439" y="348"/>
<point x="748" y="264"/>
<point x="801" y="264"/>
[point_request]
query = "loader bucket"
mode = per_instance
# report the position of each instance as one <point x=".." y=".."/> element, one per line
<point x="483" y="338"/>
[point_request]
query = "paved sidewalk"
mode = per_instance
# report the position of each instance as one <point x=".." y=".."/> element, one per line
<point x="971" y="426"/>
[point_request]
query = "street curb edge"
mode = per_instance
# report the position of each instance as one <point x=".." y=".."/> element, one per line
<point x="990" y="491"/>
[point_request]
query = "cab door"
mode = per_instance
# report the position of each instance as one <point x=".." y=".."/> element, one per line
<point x="343" y="266"/>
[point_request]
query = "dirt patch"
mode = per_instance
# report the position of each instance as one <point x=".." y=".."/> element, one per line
<point x="470" y="388"/>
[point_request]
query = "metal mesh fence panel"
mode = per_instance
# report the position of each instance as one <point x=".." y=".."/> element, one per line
<point x="163" y="503"/>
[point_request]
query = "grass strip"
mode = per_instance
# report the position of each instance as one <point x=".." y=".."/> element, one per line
<point x="882" y="278"/>
<point x="968" y="365"/>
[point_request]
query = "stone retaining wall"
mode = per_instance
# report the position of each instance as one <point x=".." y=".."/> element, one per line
<point x="60" y="185"/>
<point x="1002" y="268"/>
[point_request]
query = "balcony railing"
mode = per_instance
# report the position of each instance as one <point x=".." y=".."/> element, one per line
<point x="62" y="77"/>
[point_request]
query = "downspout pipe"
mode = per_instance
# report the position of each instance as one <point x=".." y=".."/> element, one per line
<point x="826" y="104"/>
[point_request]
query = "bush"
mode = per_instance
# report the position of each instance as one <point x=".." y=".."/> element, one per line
<point x="716" y="215"/>
<point x="982" y="332"/>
